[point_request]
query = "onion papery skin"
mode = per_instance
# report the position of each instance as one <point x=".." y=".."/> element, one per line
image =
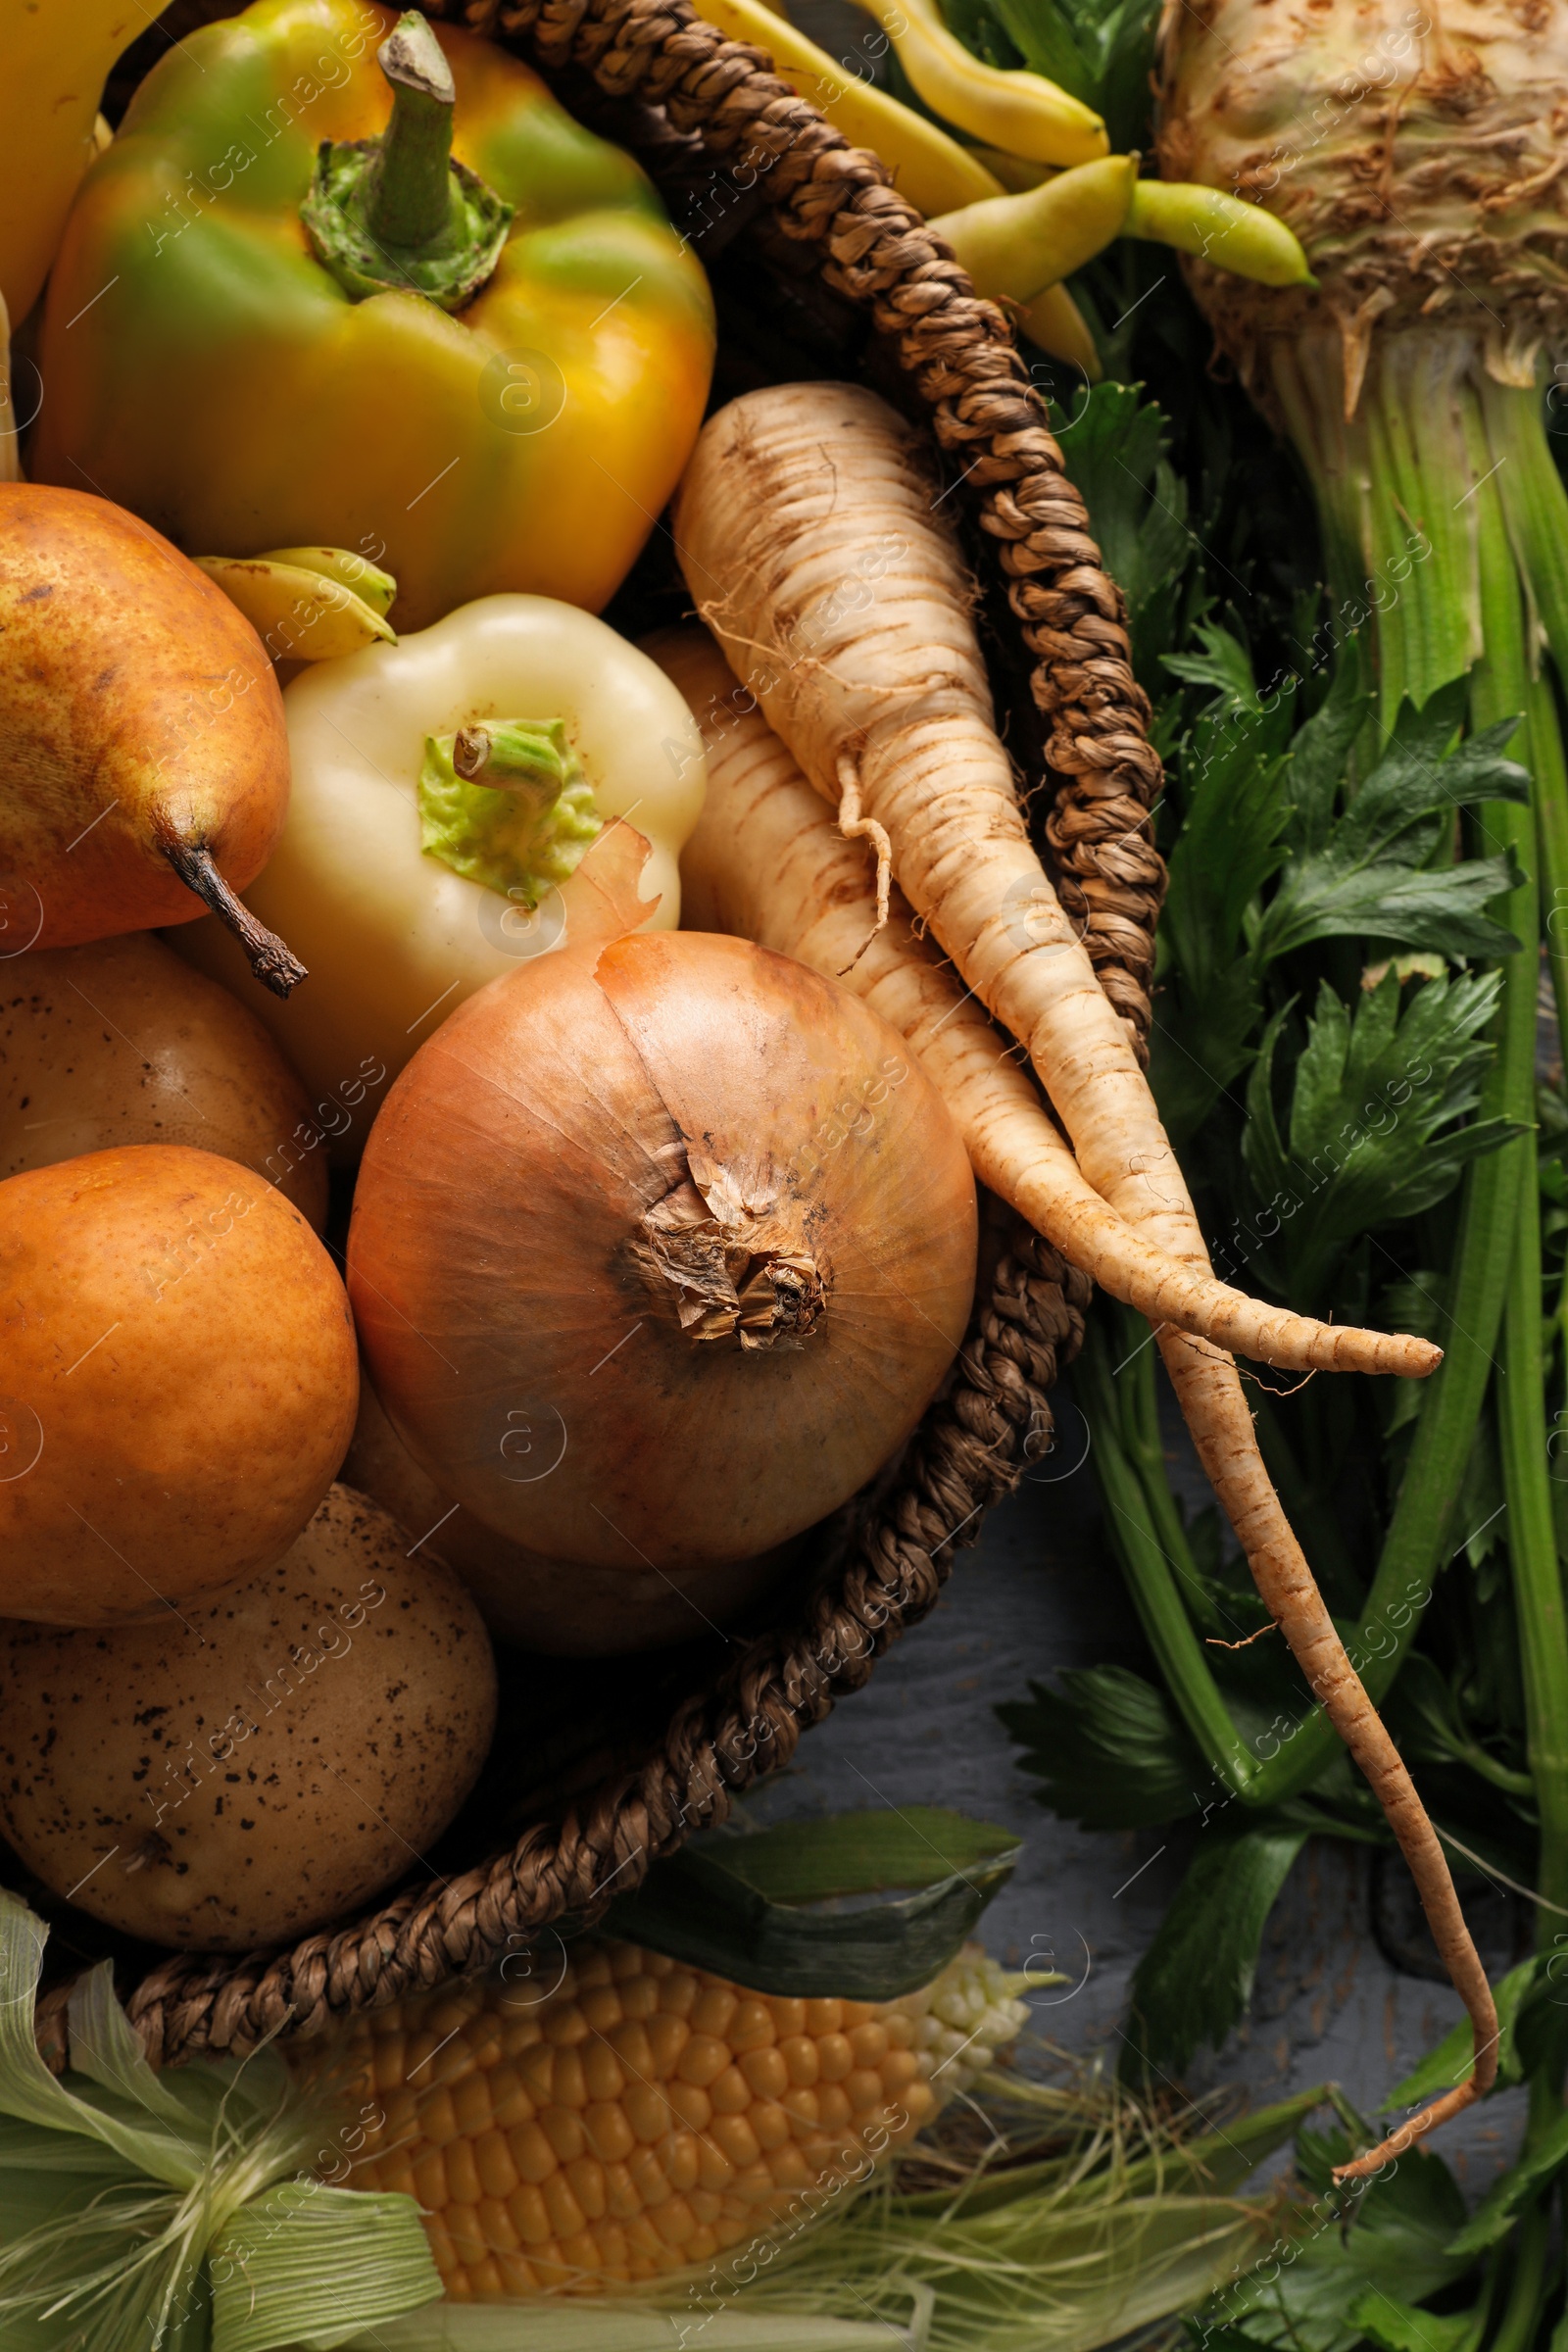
<point x="520" y="1264"/>
<point x="1420" y="154"/>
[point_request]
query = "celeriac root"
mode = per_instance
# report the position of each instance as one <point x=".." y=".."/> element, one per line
<point x="810" y="537"/>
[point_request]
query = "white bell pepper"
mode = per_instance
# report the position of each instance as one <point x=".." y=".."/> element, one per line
<point x="447" y="792"/>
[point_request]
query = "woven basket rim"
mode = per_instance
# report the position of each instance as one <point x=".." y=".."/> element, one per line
<point x="972" y="1444"/>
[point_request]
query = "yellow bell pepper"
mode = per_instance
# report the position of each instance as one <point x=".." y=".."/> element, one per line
<point x="56" y="54"/>
<point x="453" y="813"/>
<point x="281" y="316"/>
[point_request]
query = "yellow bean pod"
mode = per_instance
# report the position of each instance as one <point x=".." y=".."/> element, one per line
<point x="1052" y="319"/>
<point x="928" y="167"/>
<point x="1020" y="112"/>
<point x="1013" y="246"/>
<point x="1222" y="229"/>
<point x="1016" y="175"/>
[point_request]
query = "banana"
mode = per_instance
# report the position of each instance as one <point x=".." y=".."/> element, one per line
<point x="1022" y="114"/>
<point x="932" y="169"/>
<point x="300" y="612"/>
<point x="363" y="579"/>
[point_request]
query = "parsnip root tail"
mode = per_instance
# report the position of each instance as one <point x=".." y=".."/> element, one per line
<point x="1216" y="1413"/>
<point x="856" y="827"/>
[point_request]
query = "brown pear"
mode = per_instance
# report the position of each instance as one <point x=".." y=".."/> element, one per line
<point x="143" y="756"/>
<point x="177" y="1382"/>
<point x="119" y="1042"/>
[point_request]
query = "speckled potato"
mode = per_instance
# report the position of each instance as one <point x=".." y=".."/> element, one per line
<point x="120" y="1042"/>
<point x="177" y="1382"/>
<point x="267" y="1764"/>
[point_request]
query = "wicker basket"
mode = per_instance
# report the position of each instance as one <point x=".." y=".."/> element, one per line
<point x="865" y="288"/>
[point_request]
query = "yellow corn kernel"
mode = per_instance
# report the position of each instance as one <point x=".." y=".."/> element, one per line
<point x="496" y="2226"/>
<point x="715" y="2006"/>
<point x="610" y="2135"/>
<point x="531" y="2152"/>
<point x="601" y="2008"/>
<point x="585" y="2177"/>
<point x="563" y="2126"/>
<point x="834" y="2056"/>
<point x="464" y="2186"/>
<point x="703" y="2060"/>
<point x="471" y="2105"/>
<point x="766" y="2071"/>
<point x="570" y="2087"/>
<point x="437" y="2122"/>
<point x="567" y="2216"/>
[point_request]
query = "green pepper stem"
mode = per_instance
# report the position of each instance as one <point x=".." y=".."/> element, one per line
<point x="410" y="192"/>
<point x="399" y="213"/>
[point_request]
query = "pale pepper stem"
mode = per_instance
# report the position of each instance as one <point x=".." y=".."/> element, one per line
<point x="514" y="753"/>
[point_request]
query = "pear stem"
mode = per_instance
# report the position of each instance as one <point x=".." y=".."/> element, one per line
<point x="275" y="966"/>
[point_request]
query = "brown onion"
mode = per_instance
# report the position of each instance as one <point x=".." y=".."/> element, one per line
<point x="660" y="1250"/>
<point x="561" y="1608"/>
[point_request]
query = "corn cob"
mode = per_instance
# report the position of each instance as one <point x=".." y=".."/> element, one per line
<point x="643" y="2116"/>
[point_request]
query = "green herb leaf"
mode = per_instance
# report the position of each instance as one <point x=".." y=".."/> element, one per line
<point x="1450" y="2062"/>
<point x="1393" y="2244"/>
<point x="1230" y="845"/>
<point x="860" y="1853"/>
<point x="1367" y="876"/>
<point x="1401" y="2328"/>
<point x="1109" y="1747"/>
<point x="1194" y="1983"/>
<point x="696" y="1906"/>
<point x="1113" y="450"/>
<point x="1495" y="2217"/>
<point x="1372" y="1131"/>
<point x="1320" y="755"/>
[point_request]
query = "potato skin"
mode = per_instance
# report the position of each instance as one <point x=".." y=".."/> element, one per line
<point x="267" y="1764"/>
<point x="123" y="1042"/>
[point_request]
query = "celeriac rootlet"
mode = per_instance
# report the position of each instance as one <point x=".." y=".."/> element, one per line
<point x="1419" y="160"/>
<point x="766" y="860"/>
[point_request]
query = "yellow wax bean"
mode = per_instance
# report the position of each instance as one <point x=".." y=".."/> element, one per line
<point x="1231" y="234"/>
<point x="1053" y="321"/>
<point x="1013" y="246"/>
<point x="1015" y="172"/>
<point x="928" y="167"/>
<point x="1021" y="113"/>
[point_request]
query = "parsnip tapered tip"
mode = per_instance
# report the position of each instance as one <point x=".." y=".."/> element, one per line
<point x="1341" y="1348"/>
